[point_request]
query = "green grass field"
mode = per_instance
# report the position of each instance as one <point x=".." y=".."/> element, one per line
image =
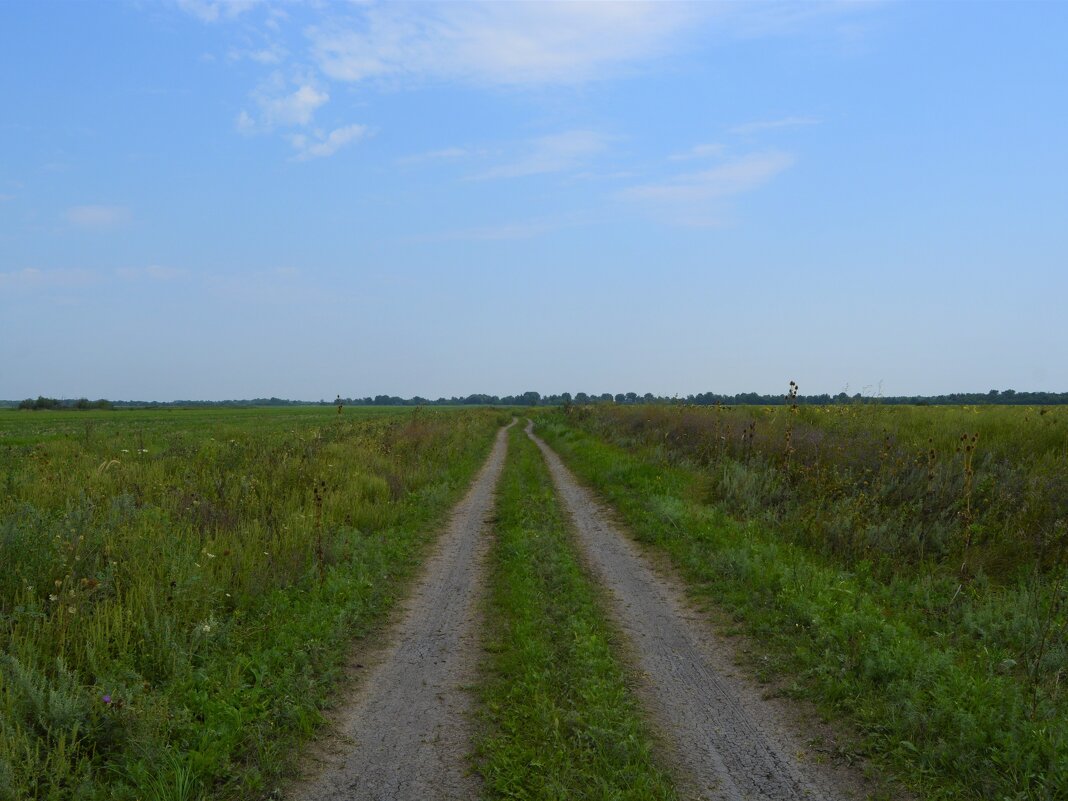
<point x="179" y="587"/>
<point x="902" y="571"/>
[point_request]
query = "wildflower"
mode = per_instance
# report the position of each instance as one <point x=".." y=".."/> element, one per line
<point x="206" y="628"/>
<point x="106" y="699"/>
<point x="53" y="597"/>
<point x="71" y="609"/>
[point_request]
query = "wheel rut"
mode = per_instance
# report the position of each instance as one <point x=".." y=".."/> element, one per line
<point x="726" y="741"/>
<point x="405" y="735"/>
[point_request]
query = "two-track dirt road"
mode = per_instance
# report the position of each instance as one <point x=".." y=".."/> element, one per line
<point x="406" y="736"/>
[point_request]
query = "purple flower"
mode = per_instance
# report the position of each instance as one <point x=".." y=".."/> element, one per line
<point x="107" y="699"/>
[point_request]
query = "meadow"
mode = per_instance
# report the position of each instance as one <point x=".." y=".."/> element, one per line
<point x="904" y="567"/>
<point x="180" y="587"/>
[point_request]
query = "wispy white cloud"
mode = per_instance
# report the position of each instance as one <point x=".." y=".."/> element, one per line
<point x="547" y="154"/>
<point x="155" y="272"/>
<point x="733" y="177"/>
<point x="769" y="125"/>
<point x="500" y="43"/>
<point x="98" y="217"/>
<point x="444" y="154"/>
<point x="270" y="54"/>
<point x="33" y="278"/>
<point x="320" y="145"/>
<point x="500" y="233"/>
<point x="216" y="10"/>
<point x="6" y="198"/>
<point x="699" y="152"/>
<point x="278" y="106"/>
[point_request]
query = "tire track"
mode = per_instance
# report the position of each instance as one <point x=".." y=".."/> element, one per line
<point x="727" y="741"/>
<point x="408" y="724"/>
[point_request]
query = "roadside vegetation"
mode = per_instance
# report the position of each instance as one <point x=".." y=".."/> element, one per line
<point x="179" y="588"/>
<point x="559" y="720"/>
<point x="903" y="566"/>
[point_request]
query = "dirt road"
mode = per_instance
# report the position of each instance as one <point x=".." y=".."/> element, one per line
<point x="726" y="741"/>
<point x="408" y="723"/>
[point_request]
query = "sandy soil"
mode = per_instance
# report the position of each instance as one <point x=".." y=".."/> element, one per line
<point x="405" y="735"/>
<point x="725" y="739"/>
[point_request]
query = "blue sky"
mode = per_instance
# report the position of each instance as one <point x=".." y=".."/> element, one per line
<point x="227" y="200"/>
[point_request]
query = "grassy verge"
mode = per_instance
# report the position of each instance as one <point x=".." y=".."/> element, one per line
<point x="937" y="697"/>
<point x="180" y="588"/>
<point x="560" y="723"/>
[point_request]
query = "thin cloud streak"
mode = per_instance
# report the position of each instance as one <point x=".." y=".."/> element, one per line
<point x="444" y="154"/>
<point x="743" y="174"/>
<point x="768" y="125"/>
<point x="499" y="233"/>
<point x="97" y="216"/>
<point x="155" y="272"/>
<point x="549" y="154"/>
<point x="33" y="278"/>
<point x="699" y="152"/>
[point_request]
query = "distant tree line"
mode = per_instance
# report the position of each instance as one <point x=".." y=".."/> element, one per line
<point x="80" y="404"/>
<point x="1007" y="396"/>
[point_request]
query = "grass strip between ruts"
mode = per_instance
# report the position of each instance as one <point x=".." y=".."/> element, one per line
<point x="559" y="720"/>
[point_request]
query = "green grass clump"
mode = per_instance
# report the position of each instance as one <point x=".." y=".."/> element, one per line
<point x="560" y="722"/>
<point x="180" y="587"/>
<point x="955" y="683"/>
